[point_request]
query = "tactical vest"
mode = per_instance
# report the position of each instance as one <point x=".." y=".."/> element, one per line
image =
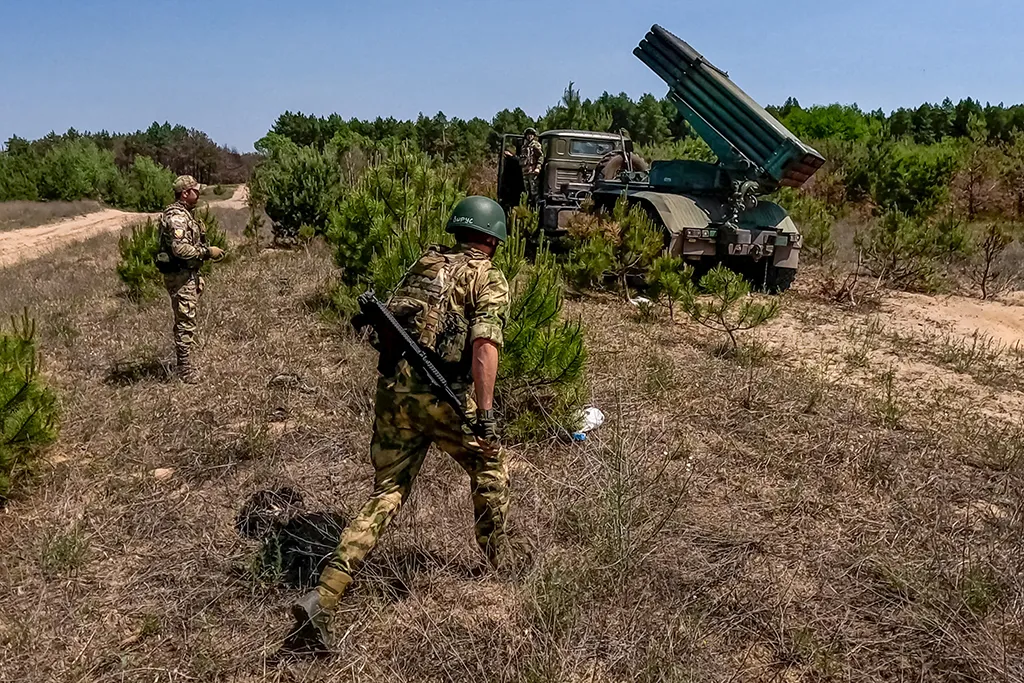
<point x="166" y="261"/>
<point x="431" y="303"/>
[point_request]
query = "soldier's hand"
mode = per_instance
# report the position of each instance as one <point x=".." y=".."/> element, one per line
<point x="487" y="427"/>
<point x="216" y="253"/>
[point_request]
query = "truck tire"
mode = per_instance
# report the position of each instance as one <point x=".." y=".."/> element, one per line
<point x="778" y="280"/>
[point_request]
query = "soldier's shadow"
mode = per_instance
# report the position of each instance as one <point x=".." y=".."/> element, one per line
<point x="295" y="546"/>
<point x="127" y="373"/>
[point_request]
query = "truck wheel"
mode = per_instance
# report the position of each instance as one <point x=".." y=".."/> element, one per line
<point x="778" y="280"/>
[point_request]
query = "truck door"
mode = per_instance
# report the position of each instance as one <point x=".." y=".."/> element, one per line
<point x="510" y="175"/>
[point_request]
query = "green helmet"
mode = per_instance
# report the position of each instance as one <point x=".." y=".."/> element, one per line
<point x="480" y="214"/>
<point x="530" y="131"/>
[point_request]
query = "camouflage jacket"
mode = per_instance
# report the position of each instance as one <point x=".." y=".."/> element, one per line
<point x="447" y="300"/>
<point x="531" y="157"/>
<point x="183" y="237"/>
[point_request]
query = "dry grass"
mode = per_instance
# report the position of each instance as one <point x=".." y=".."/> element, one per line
<point x="730" y="521"/>
<point x="19" y="214"/>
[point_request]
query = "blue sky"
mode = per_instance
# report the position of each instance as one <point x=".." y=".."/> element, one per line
<point x="230" y="67"/>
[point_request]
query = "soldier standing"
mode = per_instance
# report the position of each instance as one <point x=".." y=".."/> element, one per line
<point x="183" y="249"/>
<point x="452" y="301"/>
<point x="531" y="161"/>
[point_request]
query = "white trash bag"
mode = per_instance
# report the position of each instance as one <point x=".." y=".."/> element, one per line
<point x="590" y="418"/>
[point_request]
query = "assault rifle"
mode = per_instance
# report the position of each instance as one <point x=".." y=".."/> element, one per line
<point x="396" y="342"/>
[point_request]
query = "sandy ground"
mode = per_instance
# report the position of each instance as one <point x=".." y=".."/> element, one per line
<point x="29" y="243"/>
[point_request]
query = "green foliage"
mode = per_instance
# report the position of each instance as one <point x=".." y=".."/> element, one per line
<point x="542" y="361"/>
<point x="622" y="245"/>
<point x="910" y="178"/>
<point x="575" y="113"/>
<point x="150" y="185"/>
<point x="722" y="302"/>
<point x="667" y="281"/>
<point x="685" y="148"/>
<point x="215" y="236"/>
<point x="72" y="168"/>
<point x="29" y="414"/>
<point x="399" y="207"/>
<point x="137" y="264"/>
<point x="19" y="177"/>
<point x="77" y="169"/>
<point x="835" y="121"/>
<point x="254" y="225"/>
<point x="904" y="250"/>
<point x="1012" y="173"/>
<point x="814" y="218"/>
<point x="296" y="186"/>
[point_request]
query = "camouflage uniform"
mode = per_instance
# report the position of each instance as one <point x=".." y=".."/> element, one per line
<point x="183" y="239"/>
<point x="531" y="161"/>
<point x="447" y="300"/>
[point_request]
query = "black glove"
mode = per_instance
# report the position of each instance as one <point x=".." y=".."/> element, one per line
<point x="486" y="425"/>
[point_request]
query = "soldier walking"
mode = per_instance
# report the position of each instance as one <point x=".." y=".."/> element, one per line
<point x="453" y="302"/>
<point x="183" y="249"/>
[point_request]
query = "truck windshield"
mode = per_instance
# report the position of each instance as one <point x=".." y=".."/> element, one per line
<point x="594" y="148"/>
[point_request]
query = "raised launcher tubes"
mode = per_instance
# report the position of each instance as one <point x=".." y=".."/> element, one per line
<point x="748" y="141"/>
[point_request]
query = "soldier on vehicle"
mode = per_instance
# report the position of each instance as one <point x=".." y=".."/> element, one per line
<point x="453" y="303"/>
<point x="531" y="161"/>
<point x="183" y="249"/>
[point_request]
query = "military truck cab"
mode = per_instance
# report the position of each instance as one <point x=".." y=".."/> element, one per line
<point x="567" y="176"/>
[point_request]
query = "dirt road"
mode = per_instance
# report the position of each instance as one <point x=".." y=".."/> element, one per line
<point x="29" y="243"/>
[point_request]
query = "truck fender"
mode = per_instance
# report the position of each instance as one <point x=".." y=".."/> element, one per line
<point x="676" y="213"/>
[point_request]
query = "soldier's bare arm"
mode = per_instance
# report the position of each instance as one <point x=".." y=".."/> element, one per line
<point x="486" y="320"/>
<point x="485" y="372"/>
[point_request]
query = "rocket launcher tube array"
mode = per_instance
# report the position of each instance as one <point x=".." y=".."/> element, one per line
<point x="737" y="126"/>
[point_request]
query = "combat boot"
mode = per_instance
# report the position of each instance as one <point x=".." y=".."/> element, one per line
<point x="187" y="372"/>
<point x="314" y="610"/>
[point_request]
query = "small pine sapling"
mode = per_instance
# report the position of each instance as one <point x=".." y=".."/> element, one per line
<point x="722" y="302"/>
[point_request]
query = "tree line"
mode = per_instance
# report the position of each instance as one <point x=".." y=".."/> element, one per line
<point x="126" y="170"/>
<point x="651" y="121"/>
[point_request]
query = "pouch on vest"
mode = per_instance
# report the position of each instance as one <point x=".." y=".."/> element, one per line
<point x="166" y="263"/>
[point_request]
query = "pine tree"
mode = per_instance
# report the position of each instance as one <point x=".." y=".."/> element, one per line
<point x="28" y="408"/>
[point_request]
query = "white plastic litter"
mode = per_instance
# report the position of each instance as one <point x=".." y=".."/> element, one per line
<point x="591" y="418"/>
<point x="640" y="301"/>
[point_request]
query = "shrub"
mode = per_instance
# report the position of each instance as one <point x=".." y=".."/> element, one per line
<point x="19" y="177"/>
<point x="909" y="178"/>
<point x="399" y="207"/>
<point x="814" y="218"/>
<point x="903" y="250"/>
<point x="722" y="303"/>
<point x="150" y="185"/>
<point x="297" y="186"/>
<point x="540" y="378"/>
<point x="667" y="281"/>
<point x="28" y="409"/>
<point x="685" y="148"/>
<point x="137" y="265"/>
<point x="621" y="246"/>
<point x="987" y="272"/>
<point x="77" y="169"/>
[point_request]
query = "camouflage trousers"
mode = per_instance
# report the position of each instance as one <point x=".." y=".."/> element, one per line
<point x="405" y="425"/>
<point x="531" y="183"/>
<point x="185" y="289"/>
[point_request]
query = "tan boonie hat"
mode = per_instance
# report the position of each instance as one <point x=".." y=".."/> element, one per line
<point x="184" y="182"/>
